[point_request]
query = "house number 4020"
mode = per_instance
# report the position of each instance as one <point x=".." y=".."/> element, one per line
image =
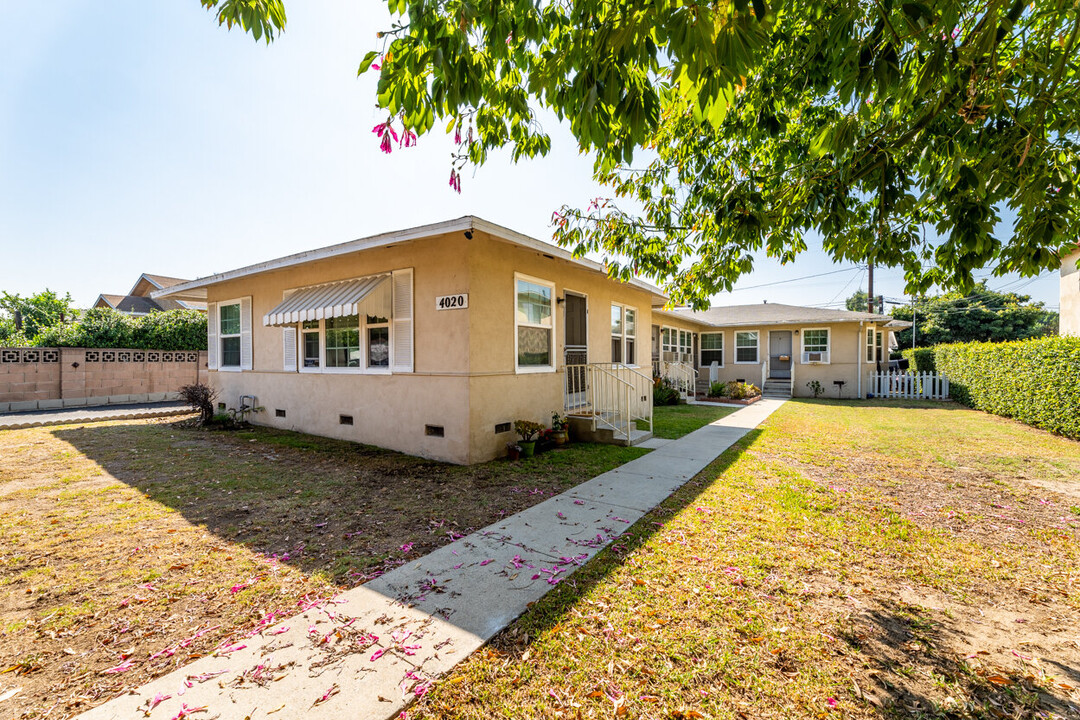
<point x="452" y="302"/>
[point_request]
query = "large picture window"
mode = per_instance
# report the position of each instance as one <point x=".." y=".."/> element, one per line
<point x="229" y="334"/>
<point x="534" y="324"/>
<point x="746" y="346"/>
<point x="712" y="349"/>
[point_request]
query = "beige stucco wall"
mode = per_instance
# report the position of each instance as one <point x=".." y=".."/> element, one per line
<point x="845" y="352"/>
<point x="497" y="393"/>
<point x="1069" y="323"/>
<point x="464" y="375"/>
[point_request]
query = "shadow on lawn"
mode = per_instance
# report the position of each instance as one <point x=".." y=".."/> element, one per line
<point x="323" y="505"/>
<point x="911" y="651"/>
<point x="882" y="403"/>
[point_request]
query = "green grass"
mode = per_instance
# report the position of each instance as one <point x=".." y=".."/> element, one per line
<point x="789" y="573"/>
<point x="674" y="421"/>
<point x="149" y="525"/>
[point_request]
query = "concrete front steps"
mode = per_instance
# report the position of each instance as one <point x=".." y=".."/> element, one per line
<point x="581" y="428"/>
<point x="777" y="388"/>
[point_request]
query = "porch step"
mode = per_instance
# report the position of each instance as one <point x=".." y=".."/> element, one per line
<point x="581" y="430"/>
<point x="776" y="389"/>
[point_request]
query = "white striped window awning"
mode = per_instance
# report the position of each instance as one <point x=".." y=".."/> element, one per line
<point x="318" y="302"/>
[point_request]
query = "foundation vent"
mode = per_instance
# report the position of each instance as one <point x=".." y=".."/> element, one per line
<point x="434" y="430"/>
<point x="345" y="419"/>
<point x="279" y="413"/>
<point x="502" y="427"/>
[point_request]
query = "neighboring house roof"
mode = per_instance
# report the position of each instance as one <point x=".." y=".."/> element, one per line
<point x="196" y="289"/>
<point x="779" y="314"/>
<point x="139" y="302"/>
<point x="132" y="304"/>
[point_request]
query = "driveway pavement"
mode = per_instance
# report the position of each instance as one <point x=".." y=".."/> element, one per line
<point x="98" y="413"/>
<point x="369" y="652"/>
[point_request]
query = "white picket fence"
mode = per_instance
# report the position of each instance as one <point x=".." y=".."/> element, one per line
<point x="909" y="386"/>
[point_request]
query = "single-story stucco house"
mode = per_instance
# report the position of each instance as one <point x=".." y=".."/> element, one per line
<point x="780" y="348"/>
<point x="138" y="301"/>
<point x="433" y="340"/>
<point x="1069" y="311"/>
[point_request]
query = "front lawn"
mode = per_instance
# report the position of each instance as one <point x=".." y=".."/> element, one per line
<point x="674" y="421"/>
<point x="121" y="541"/>
<point x="845" y="560"/>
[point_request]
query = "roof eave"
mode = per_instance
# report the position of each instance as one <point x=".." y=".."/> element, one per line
<point x="195" y="290"/>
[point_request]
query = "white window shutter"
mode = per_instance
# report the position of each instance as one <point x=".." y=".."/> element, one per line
<point x="212" y="349"/>
<point x="245" y="333"/>
<point x="288" y="348"/>
<point x="403" y="320"/>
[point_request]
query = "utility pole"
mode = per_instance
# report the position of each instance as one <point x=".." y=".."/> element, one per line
<point x="870" y="289"/>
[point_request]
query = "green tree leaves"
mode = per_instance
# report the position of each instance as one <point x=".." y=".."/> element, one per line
<point x="753" y="124"/>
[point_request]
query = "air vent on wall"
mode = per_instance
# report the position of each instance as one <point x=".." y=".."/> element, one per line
<point x="345" y="419"/>
<point x="502" y="427"/>
<point x="279" y="413"/>
<point x="434" y="430"/>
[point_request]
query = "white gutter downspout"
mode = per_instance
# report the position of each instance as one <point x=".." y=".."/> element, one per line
<point x="859" y="351"/>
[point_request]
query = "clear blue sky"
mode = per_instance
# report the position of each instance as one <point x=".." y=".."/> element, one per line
<point x="140" y="136"/>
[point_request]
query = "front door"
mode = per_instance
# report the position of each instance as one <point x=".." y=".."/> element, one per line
<point x="780" y="354"/>
<point x="576" y="346"/>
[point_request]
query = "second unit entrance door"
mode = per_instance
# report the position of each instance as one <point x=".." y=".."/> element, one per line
<point x="780" y="354"/>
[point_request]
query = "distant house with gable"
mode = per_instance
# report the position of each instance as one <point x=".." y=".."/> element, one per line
<point x="139" y="302"/>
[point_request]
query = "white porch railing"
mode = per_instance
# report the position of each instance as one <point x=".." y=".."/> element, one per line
<point x="612" y="395"/>
<point x="682" y="376"/>
<point x="914" y="386"/>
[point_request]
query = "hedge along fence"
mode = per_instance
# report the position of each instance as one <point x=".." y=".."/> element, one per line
<point x="107" y="328"/>
<point x="920" y="360"/>
<point x="1034" y="381"/>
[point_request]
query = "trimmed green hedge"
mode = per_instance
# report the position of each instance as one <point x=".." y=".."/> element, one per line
<point x="920" y="359"/>
<point x="1034" y="381"/>
<point x="107" y="328"/>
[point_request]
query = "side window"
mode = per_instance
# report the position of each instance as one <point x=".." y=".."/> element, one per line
<point x="229" y="334"/>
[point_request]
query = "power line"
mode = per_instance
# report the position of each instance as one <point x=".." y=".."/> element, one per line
<point x="791" y="280"/>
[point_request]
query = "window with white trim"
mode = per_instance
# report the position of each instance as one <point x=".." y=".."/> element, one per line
<point x="875" y="340"/>
<point x="534" y="324"/>
<point x="229" y="334"/>
<point x="309" y="332"/>
<point x="342" y="341"/>
<point x="815" y="345"/>
<point x="686" y="345"/>
<point x="869" y="344"/>
<point x="623" y="334"/>
<point x="746" y="346"/>
<point x="669" y="339"/>
<point x="712" y="349"/>
<point x="378" y="341"/>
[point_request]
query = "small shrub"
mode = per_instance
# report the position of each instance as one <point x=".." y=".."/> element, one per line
<point x="664" y="393"/>
<point x="717" y="389"/>
<point x="742" y="391"/>
<point x="201" y="398"/>
<point x="815" y="387"/>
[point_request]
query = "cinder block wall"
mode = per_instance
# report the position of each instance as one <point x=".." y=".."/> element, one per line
<point x="45" y="378"/>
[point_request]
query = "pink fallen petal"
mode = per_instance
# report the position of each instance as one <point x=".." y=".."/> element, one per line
<point x="831" y="702"/>
<point x="377" y="654"/>
<point x="122" y="667"/>
<point x="486" y="562"/>
<point x="278" y="631"/>
<point x="157" y="700"/>
<point x="186" y="711"/>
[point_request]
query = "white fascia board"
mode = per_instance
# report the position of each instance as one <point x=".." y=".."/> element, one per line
<point x="196" y="289"/>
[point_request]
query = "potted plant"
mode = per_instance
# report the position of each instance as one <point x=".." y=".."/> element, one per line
<point x="559" y="426"/>
<point x="527" y="430"/>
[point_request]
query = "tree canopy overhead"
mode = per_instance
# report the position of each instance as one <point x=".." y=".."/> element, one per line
<point x="753" y="124"/>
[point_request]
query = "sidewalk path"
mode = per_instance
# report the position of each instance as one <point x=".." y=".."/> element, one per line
<point x="97" y="413"/>
<point x="369" y="652"/>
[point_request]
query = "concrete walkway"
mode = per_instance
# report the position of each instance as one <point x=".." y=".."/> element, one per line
<point x="98" y="413"/>
<point x="369" y="652"/>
